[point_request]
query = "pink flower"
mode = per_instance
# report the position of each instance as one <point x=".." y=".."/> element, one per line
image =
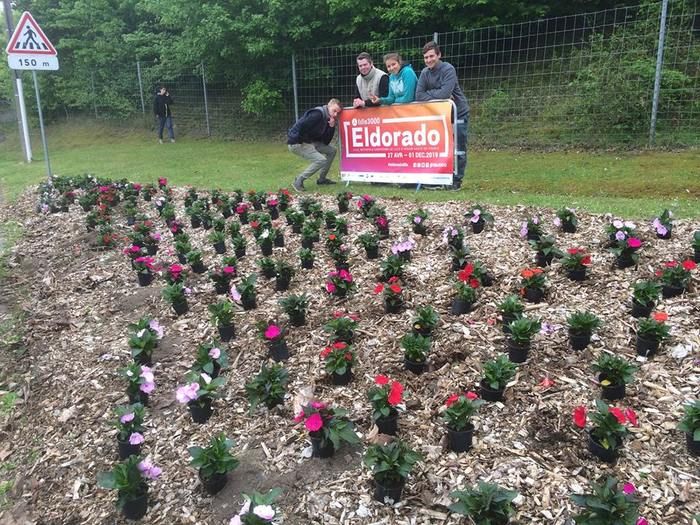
<point x="158" y="329"/>
<point x="642" y="521"/>
<point x="330" y="287"/>
<point x="523" y="230"/>
<point x="215" y="353"/>
<point x="633" y="242"/>
<point x="235" y="294"/>
<point x="580" y="416"/>
<point x="471" y="396"/>
<point x="314" y="422"/>
<point x="417" y="219"/>
<point x="557" y="221"/>
<point x="149" y="470"/>
<point x="187" y="393"/>
<point x="148" y="387"/>
<point x="629" y="488"/>
<point x="136" y="438"/>
<point x="265" y="512"/>
<point x="620" y="235"/>
<point x="273" y="331"/>
<point x="299" y="417"/>
<point x="318" y="405"/>
<point x="229" y="270"/>
<point x="345" y="276"/>
<point x="126" y="418"/>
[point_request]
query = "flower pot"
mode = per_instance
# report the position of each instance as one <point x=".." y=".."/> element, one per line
<point x="486" y="280"/>
<point x="405" y="255"/>
<point x="266" y="249"/>
<point x="195" y="222"/>
<point x="268" y="273"/>
<point x="307" y="264"/>
<point x="248" y="303"/>
<point x="624" y="261"/>
<point x="226" y="213"/>
<point x="342" y="379"/>
<point x="320" y="448"/>
<point x="415" y="367"/>
<point x="344" y="338"/>
<point x="646" y="347"/>
<point x="342" y="266"/>
<point x="517" y="353"/>
<point x="609" y="455"/>
<point x="611" y="392"/>
<point x="533" y="236"/>
<point x="296" y="228"/>
<point x="274" y="212"/>
<point x="342" y="206"/>
<point x="278" y="350"/>
<point x="130" y="221"/>
<point x="460" y="440"/>
<point x="383" y="233"/>
<point x="281" y="284"/>
<point x="343" y="228"/>
<point x="182" y="258"/>
<point x="389" y="493"/>
<point x="198" y="267"/>
<point x="239" y="252"/>
<point x="243" y="218"/>
<point x="568" y="227"/>
<point x="456" y="265"/>
<point x="478" y="226"/>
<point x="180" y="307"/>
<point x="668" y="291"/>
<point x="220" y="247"/>
<point x="506" y="319"/>
<point x="534" y="295"/>
<point x="201" y="410"/>
<point x="213" y="484"/>
<point x="692" y="445"/>
<point x="226" y="332"/>
<point x="221" y="288"/>
<point x="257" y="206"/>
<point x="138" y="397"/>
<point x="460" y="306"/>
<point x="544" y="260"/>
<point x="372" y="252"/>
<point x="666" y="235"/>
<point x="297" y="319"/>
<point x="151" y="249"/>
<point x="576" y="275"/>
<point x="145" y="278"/>
<point x="147" y="197"/>
<point x="330" y="224"/>
<point x="420" y="229"/>
<point x="389" y="425"/>
<point x="126" y="449"/>
<point x="579" y="341"/>
<point x="279" y="241"/>
<point x="488" y="393"/>
<point x="136" y="507"/>
<point x="641" y="310"/>
<point x="393" y="307"/>
<point x="307" y="243"/>
<point x="340" y="292"/>
<point x="696" y="255"/>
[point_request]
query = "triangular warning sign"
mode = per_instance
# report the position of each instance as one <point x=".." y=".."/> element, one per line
<point x="29" y="39"/>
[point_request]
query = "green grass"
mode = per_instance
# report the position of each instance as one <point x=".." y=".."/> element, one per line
<point x="635" y="185"/>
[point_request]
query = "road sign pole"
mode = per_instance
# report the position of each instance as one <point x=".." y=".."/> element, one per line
<point x="41" y="125"/>
<point x="23" y="118"/>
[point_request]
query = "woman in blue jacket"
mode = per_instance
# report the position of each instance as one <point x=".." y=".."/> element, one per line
<point x="402" y="81"/>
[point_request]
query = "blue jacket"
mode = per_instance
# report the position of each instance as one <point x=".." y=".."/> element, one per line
<point x="311" y="127"/>
<point x="402" y="87"/>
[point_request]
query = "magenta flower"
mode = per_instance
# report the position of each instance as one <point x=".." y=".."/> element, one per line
<point x="642" y="521"/>
<point x="272" y="332"/>
<point x="136" y="438"/>
<point x="229" y="270"/>
<point x="318" y="405"/>
<point x="314" y="422"/>
<point x="633" y="242"/>
<point x="330" y="287"/>
<point x="629" y="488"/>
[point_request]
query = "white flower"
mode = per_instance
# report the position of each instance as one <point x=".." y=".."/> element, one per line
<point x="236" y="520"/>
<point x="618" y="224"/>
<point x="206" y="377"/>
<point x="630" y="225"/>
<point x="265" y="512"/>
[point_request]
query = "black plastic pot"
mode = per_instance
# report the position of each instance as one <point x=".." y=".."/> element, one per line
<point x="321" y="449"/>
<point x="220" y="247"/>
<point x="266" y="249"/>
<point x="182" y="258"/>
<point x="696" y="255"/>
<point x="307" y="243"/>
<point x="307" y="264"/>
<point x="668" y="291"/>
<point x="181" y="307"/>
<point x="198" y="267"/>
<point x="342" y="379"/>
<point x="226" y="332"/>
<point x="419" y="229"/>
<point x="641" y="310"/>
<point x="405" y="255"/>
<point x="278" y="350"/>
<point x="460" y="306"/>
<point x="249" y="303"/>
<point x="281" y="284"/>
<point x="623" y="262"/>
<point x="342" y="206"/>
<point x="478" y="226"/>
<point x="151" y="249"/>
<point x="611" y="392"/>
<point x="135" y="508"/>
<point x="533" y="236"/>
<point x="200" y="410"/>
<point x="412" y="366"/>
<point x="534" y="295"/>
<point x="579" y="341"/>
<point x="297" y="319"/>
<point x="460" y="440"/>
<point x="145" y="278"/>
<point x="567" y="227"/>
<point x="386" y="493"/>
<point x="646" y="347"/>
<point x="268" y="273"/>
<point x="544" y="260"/>
<point x="138" y="397"/>
<point x="195" y="222"/>
<point x="213" y="484"/>
<point x="126" y="449"/>
<point x="274" y="212"/>
<point x="576" y="275"/>
<point x="666" y="235"/>
<point x="372" y="252"/>
<point x="239" y="252"/>
<point x="279" y="241"/>
<point x="609" y="455"/>
<point x="517" y="353"/>
<point x="393" y="307"/>
<point x="693" y="446"/>
<point x="488" y="393"/>
<point x="506" y="319"/>
<point x="143" y="359"/>
<point x="389" y="425"/>
<point x="221" y="288"/>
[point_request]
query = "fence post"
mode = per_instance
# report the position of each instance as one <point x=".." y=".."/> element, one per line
<point x="94" y="95"/>
<point x="138" y="74"/>
<point x="657" y="76"/>
<point x="435" y="37"/>
<point x="206" y="103"/>
<point x="294" y="87"/>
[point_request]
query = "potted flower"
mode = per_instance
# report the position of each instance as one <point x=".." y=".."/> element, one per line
<point x="129" y="424"/>
<point x="140" y="382"/>
<point x="581" y="325"/>
<point x="176" y="295"/>
<point x="510" y="309"/>
<point x="392" y="266"/>
<point x="142" y="342"/>
<point x="264" y="240"/>
<point x="273" y="335"/>
<point x="242" y="210"/>
<point x="485" y="504"/>
<point x="391" y="465"/>
<point x="341" y="225"/>
<point x="644" y="297"/>
<point x="268" y="387"/>
<point x="175" y="273"/>
<point x="148" y="191"/>
<point x="690" y="424"/>
<point x="284" y="197"/>
<point x="283" y="274"/>
<point x="531" y="229"/>
<point x="608" y="504"/>
<point x="425" y="321"/>
<point x="278" y="237"/>
<point x="239" y="245"/>
<point x="519" y="339"/>
<point x="415" y="352"/>
<point x="198" y="394"/>
<point x="272" y="205"/>
<point x="257" y="509"/>
<point x="244" y="292"/>
<point x="364" y="203"/>
<point x="370" y="242"/>
<point x="144" y="267"/>
<point x="481" y="274"/>
<point x="663" y="225"/>
<point x="497" y="373"/>
<point x="343" y="200"/>
<point x="614" y="373"/>
<point x="339" y="283"/>
<point x="267" y="267"/>
<point x="328" y="428"/>
<point x="214" y="462"/>
<point x="466" y="287"/>
<point x="402" y="248"/>
<point x="478" y="217"/>
<point x="129" y="480"/>
<point x="339" y="358"/>
<point x="306" y="256"/>
<point x="210" y="359"/>
<point x="453" y="237"/>
<point x="696" y="246"/>
<point x="309" y="234"/>
<point x="183" y="247"/>
<point x="392" y="293"/>
<point x="457" y="415"/>
<point x="576" y="262"/>
<point x="546" y="249"/>
<point x="342" y="326"/>
<point x="340" y="257"/>
<point x="674" y="277"/>
<point x="566" y="220"/>
<point x="382" y="224"/>
<point x="295" y="307"/>
<point x="218" y="241"/>
<point x="256" y="198"/>
<point x="605" y="438"/>
<point x="385" y="396"/>
<point x="222" y="317"/>
<point x="296" y="220"/>
<point x="650" y="333"/>
<point x="532" y="284"/>
<point x="222" y="277"/>
<point x="194" y="259"/>
<point x="625" y="248"/>
<point x="330" y="217"/>
<point x="417" y="220"/>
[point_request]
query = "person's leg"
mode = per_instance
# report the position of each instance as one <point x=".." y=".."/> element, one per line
<point x="161" y="125"/>
<point x="308" y="152"/>
<point x="462" y="146"/>
<point x="169" y="125"/>
<point x="328" y="153"/>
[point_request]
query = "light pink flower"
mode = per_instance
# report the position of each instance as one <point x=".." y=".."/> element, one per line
<point x="149" y="470"/>
<point x="620" y="235"/>
<point x="206" y="377"/>
<point x="126" y="418"/>
<point x="523" y="230"/>
<point x="236" y="520"/>
<point x="136" y="438"/>
<point x="557" y="221"/>
<point x="318" y="405"/>
<point x="215" y="353"/>
<point x="265" y="512"/>
<point x="618" y="224"/>
<point x="417" y="219"/>
<point x="147" y="388"/>
<point x="235" y="294"/>
<point x="157" y="328"/>
<point x="187" y="393"/>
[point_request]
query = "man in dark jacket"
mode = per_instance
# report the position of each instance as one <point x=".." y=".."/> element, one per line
<point x="161" y="107"/>
<point x="310" y="138"/>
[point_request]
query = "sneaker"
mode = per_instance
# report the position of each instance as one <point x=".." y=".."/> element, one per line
<point x="172" y="140"/>
<point x="298" y="186"/>
<point x="456" y="186"/>
<point x="325" y="181"/>
<point x="160" y="141"/>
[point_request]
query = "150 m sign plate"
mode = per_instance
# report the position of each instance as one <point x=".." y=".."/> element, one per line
<point x="47" y="63"/>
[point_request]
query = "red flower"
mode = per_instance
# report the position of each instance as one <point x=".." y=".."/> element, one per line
<point x="379" y="288"/>
<point x="395" y="288"/>
<point x="572" y="251"/>
<point x="670" y="264"/>
<point x="451" y="400"/>
<point x="395" y="393"/>
<point x="689" y="264"/>
<point x="619" y="415"/>
<point x="340" y="345"/>
<point x="474" y="283"/>
<point x="631" y="416"/>
<point x="337" y="314"/>
<point x="393" y="279"/>
<point x="580" y="416"/>
<point x="465" y="273"/>
<point x="471" y="396"/>
<point x="326" y="352"/>
<point x="660" y="317"/>
<point x="527" y="273"/>
<point x="348" y="356"/>
<point x="586" y="260"/>
<point x="331" y="237"/>
<point x="381" y="380"/>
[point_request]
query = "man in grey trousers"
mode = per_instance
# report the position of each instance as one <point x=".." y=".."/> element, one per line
<point x="310" y="138"/>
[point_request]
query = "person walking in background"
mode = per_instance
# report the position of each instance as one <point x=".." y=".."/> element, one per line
<point x="310" y="138"/>
<point x="371" y="81"/>
<point x="402" y="82"/>
<point x="437" y="81"/>
<point x="162" y="108"/>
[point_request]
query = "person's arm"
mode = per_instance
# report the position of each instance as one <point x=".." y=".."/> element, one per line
<point x="409" y="86"/>
<point x="421" y="88"/>
<point x="389" y="99"/>
<point x="169" y="100"/>
<point x="383" y="91"/>
<point x="155" y="105"/>
<point x="448" y="81"/>
<point x="308" y="123"/>
<point x="328" y="133"/>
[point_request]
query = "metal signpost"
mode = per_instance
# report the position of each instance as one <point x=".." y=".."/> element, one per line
<point x="30" y="49"/>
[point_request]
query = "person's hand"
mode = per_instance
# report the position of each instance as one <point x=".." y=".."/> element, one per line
<point x="358" y="103"/>
<point x="374" y="99"/>
<point x="331" y="122"/>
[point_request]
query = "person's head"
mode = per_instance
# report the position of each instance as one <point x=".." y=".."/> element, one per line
<point x="393" y="62"/>
<point x="334" y="107"/>
<point x="431" y="54"/>
<point x="162" y="90"/>
<point x="364" y="63"/>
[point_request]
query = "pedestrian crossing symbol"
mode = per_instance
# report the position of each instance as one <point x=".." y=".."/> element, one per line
<point x="29" y="47"/>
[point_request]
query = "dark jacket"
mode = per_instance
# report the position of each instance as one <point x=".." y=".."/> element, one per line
<point x="161" y="105"/>
<point x="311" y="127"/>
